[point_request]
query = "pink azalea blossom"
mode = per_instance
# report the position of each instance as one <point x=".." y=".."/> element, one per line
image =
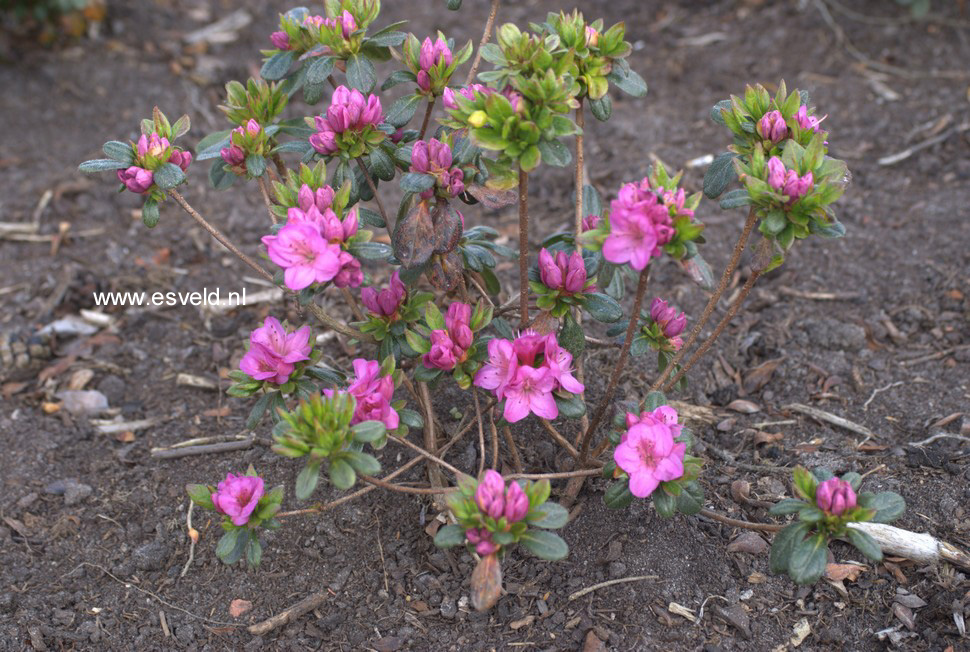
<point x="262" y="364"/>
<point x="496" y="502"/>
<point x="639" y="226"/>
<point x="304" y="255"/>
<point x="500" y="368"/>
<point x="806" y="121"/>
<point x="237" y="497"/>
<point x="386" y="302"/>
<point x="468" y="92"/>
<point x="280" y="40"/>
<point x="564" y="272"/>
<point x="559" y="362"/>
<point x="772" y="127"/>
<point x="649" y="455"/>
<point x="288" y="347"/>
<point x="835" y="496"/>
<point x="431" y="55"/>
<point x="373" y="393"/>
<point x="670" y="321"/>
<point x="482" y="540"/>
<point x="434" y="158"/>
<point x="590" y="222"/>
<point x="530" y="391"/>
<point x="442" y="354"/>
<point x="349" y="110"/>
<point x="449" y="346"/>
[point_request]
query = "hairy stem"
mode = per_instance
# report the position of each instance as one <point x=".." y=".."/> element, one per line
<point x="481" y="432"/>
<point x="559" y="439"/>
<point x="316" y="310"/>
<point x="486" y="35"/>
<point x="712" y="302"/>
<point x="618" y="367"/>
<point x="510" y="442"/>
<point x="352" y="302"/>
<point x="733" y="310"/>
<point x="266" y="200"/>
<point x="430" y="443"/>
<point x="523" y="248"/>
<point x="427" y="118"/>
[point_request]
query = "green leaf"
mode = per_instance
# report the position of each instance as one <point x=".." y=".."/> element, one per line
<point x="416" y="182"/>
<point x="618" y="494"/>
<point x="118" y="151"/>
<point x="783" y="544"/>
<point x="865" y="543"/>
<point x="664" y="503"/>
<point x="277" y="66"/>
<point x="653" y="401"/>
<point x="627" y="81"/>
<point x="786" y="506"/>
<point x="716" y="112"/>
<point x="735" y="199"/>
<point x="361" y="74"/>
<point x="888" y="505"/>
<point x="454" y="5"/>
<point x="592" y="202"/>
<point x="371" y="251"/>
<point x="854" y="480"/>
<point x="168" y="176"/>
<point x="368" y="432"/>
<point x="318" y="71"/>
<point x="306" y="481"/>
<point x="808" y="557"/>
<point x="200" y="494"/>
<point x="555" y="153"/>
<point x="410" y="418"/>
<point x="544" y="545"/>
<point x="450" y="536"/>
<point x="342" y="474"/>
<point x="255" y="165"/>
<point x="403" y="110"/>
<point x="259" y="409"/>
<point x="220" y="176"/>
<point x="572" y="337"/>
<point x="254" y="552"/>
<point x="570" y="408"/>
<point x="232" y="544"/>
<point x="381" y="164"/>
<point x="603" y="307"/>
<point x="101" y="165"/>
<point x="720" y="173"/>
<point x="149" y="213"/>
<point x="417" y="343"/>
<point x="398" y="77"/>
<point x="552" y="516"/>
<point x="601" y="108"/>
<point x="209" y="146"/>
<point x="691" y="499"/>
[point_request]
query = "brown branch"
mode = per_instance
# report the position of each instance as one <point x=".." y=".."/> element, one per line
<point x="354" y="306"/>
<point x="494" y="433"/>
<point x="581" y="473"/>
<point x="486" y="35"/>
<point x="420" y="451"/>
<point x="717" y="330"/>
<point x="481" y="432"/>
<point x="712" y="302"/>
<point x="427" y="118"/>
<point x="618" y="367"/>
<point x="557" y="436"/>
<point x="430" y="443"/>
<point x="727" y="520"/>
<point x="266" y="200"/>
<point x="377" y="197"/>
<point x="305" y="605"/>
<point x="523" y="248"/>
<point x="510" y="442"/>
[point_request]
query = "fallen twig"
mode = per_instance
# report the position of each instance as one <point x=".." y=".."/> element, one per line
<point x="205" y="449"/>
<point x="828" y="417"/>
<point x="939" y="435"/>
<point x="929" y="142"/>
<point x="865" y="406"/>
<point x="193" y="538"/>
<point x="918" y="546"/>
<point x="305" y="605"/>
<point x="603" y="585"/>
<point x="819" y="296"/>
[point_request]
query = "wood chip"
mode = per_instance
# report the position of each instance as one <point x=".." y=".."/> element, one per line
<point x="682" y="611"/>
<point x="743" y="406"/>
<point x="758" y="377"/>
<point x="239" y="607"/>
<point x="191" y="380"/>
<point x="522" y="622"/>
<point x="839" y="572"/>
<point x="800" y="632"/>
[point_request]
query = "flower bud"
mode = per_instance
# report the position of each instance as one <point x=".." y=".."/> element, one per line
<point x="590" y="222"/>
<point x="136" y="179"/>
<point x="442" y="353"/>
<point x="490" y="495"/>
<point x="280" y="40"/>
<point x="592" y="37"/>
<point x="772" y="127"/>
<point x="233" y="155"/>
<point x="835" y="496"/>
<point x="516" y="503"/>
<point x="575" y="281"/>
<point x="347" y="24"/>
<point x="253" y="128"/>
<point x="549" y="271"/>
<point x="478" y="118"/>
<point x="776" y="173"/>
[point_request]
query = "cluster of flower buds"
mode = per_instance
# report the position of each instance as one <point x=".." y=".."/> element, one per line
<point x="431" y="63"/>
<point x="373" y="389"/>
<point x="243" y="142"/>
<point x="648" y="452"/>
<point x="386" y="302"/>
<point x="434" y="158"/>
<point x="151" y="152"/>
<point x="311" y="246"/>
<point x="562" y="281"/>
<point x="301" y="31"/>
<point x="449" y="345"/>
<point x="245" y="505"/>
<point x="468" y="92"/>
<point x="273" y="352"/>
<point x="668" y="323"/>
<point x="350" y="125"/>
<point x="526" y="372"/>
<point x="496" y="502"/>
<point x="787" y="182"/>
<point x="835" y="496"/>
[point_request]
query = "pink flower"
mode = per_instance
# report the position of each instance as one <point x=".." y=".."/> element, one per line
<point x="675" y="204"/>
<point x="262" y="364"/>
<point x="237" y="497"/>
<point x="516" y="503"/>
<point x="835" y="496"/>
<point x="280" y="40"/>
<point x="321" y="198"/>
<point x="152" y="145"/>
<point x="650" y="456"/>
<point x="490" y="494"/>
<point x="806" y="121"/>
<point x="347" y="24"/>
<point x="787" y="181"/>
<point x="566" y="273"/>
<point x="373" y="393"/>
<point x="304" y="255"/>
<point x="530" y="391"/>
<point x="448" y="97"/>
<point x="449" y="347"/>
<point x="233" y="155"/>
<point x="136" y="179"/>
<point x="772" y="127"/>
<point x="434" y="158"/>
<point x="670" y="321"/>
<point x="349" y="110"/>
<point x="528" y="345"/>
<point x="386" y="302"/>
<point x="500" y="369"/>
<point x="181" y="158"/>
<point x="432" y="54"/>
<point x="458" y="321"/>
<point x="559" y="362"/>
<point x="288" y="347"/>
<point x="590" y="222"/>
<point x="639" y="226"/>
<point x="482" y="540"/>
<point x="592" y="37"/>
<point x="442" y="354"/>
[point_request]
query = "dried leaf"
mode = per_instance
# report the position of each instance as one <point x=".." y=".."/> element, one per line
<point x="413" y="240"/>
<point x="486" y="584"/>
<point x="896" y="571"/>
<point x="445" y="272"/>
<point x="758" y="377"/>
<point x="125" y="437"/>
<point x="522" y="622"/>
<point x="223" y="411"/>
<point x="682" y="611"/>
<point x="839" y="572"/>
<point x="491" y="198"/>
<point x="239" y="607"/>
<point x="80" y="378"/>
<point x="9" y="389"/>
<point x="905" y="614"/>
<point x="748" y="542"/>
<point x="447" y="227"/>
<point x="592" y="643"/>
<point x="743" y="406"/>
<point x="762" y="437"/>
<point x="50" y="408"/>
<point x="800" y="632"/>
<point x="910" y="600"/>
<point x="757" y="578"/>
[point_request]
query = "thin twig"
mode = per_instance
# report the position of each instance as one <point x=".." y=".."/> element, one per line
<point x="430" y="444"/>
<point x="608" y="583"/>
<point x="523" y="248"/>
<point x="909" y="151"/>
<point x="828" y="417"/>
<point x="486" y="35"/>
<point x="193" y="537"/>
<point x="494" y="433"/>
<point x="865" y="406"/>
<point x="727" y="520"/>
<point x="420" y="451"/>
<point x="607" y="399"/>
<point x="481" y="432"/>
<point x="207" y="449"/>
<point x="564" y="475"/>
<point x="354" y="306"/>
<point x="510" y="442"/>
<point x="712" y="302"/>
<point x="427" y="118"/>
<point x="290" y="614"/>
<point x="266" y="200"/>
<point x="939" y="435"/>
<point x="709" y="342"/>
<point x="377" y="197"/>
<point x="557" y="436"/>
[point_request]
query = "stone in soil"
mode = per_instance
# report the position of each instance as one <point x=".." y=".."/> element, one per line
<point x="150" y="556"/>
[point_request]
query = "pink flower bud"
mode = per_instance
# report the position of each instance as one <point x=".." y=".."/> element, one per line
<point x="233" y="155"/>
<point x="350" y="274"/>
<point x="459" y="314"/>
<point x="516" y="503"/>
<point x="280" y="40"/>
<point x="137" y="180"/>
<point x="181" y="159"/>
<point x="528" y="345"/>
<point x="386" y="302"/>
<point x="592" y="37"/>
<point x="490" y="495"/>
<point x="590" y="222"/>
<point x="253" y="128"/>
<point x="549" y="271"/>
<point x="237" y="497"/>
<point x="482" y="540"/>
<point x="772" y="127"/>
<point x="419" y="158"/>
<point x="347" y="24"/>
<point x="575" y="281"/>
<point x="776" y="173"/>
<point x="806" y="121"/>
<point x="442" y="353"/>
<point x="835" y="496"/>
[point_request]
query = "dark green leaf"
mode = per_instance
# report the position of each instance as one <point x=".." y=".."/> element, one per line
<point x="691" y="499"/>
<point x="277" y="66"/>
<point x="232" y="544"/>
<point x="450" y="536"/>
<point x="254" y="552"/>
<point x="555" y="153"/>
<point x="719" y="175"/>
<point x="786" y="506"/>
<point x="361" y="462"/>
<point x="342" y="474"/>
<point x="735" y="199"/>
<point x="255" y="165"/>
<point x="368" y="432"/>
<point x="370" y="251"/>
<point x="200" y="495"/>
<point x="318" y="71"/>
<point x="783" y="544"/>
<point x="544" y="545"/>
<point x="403" y="110"/>
<point x="410" y="418"/>
<point x="416" y="182"/>
<point x="102" y="165"/>
<point x="454" y="5"/>
<point x="381" y="164"/>
<point x="361" y="74"/>
<point x="213" y="142"/>
<point x="654" y="400"/>
<point x="169" y="175"/>
<point x="149" y="213"/>
<point x="307" y="480"/>
<point x="259" y="409"/>
<point x="570" y="408"/>
<point x="627" y="81"/>
<point x="716" y="112"/>
<point x="618" y="494"/>
<point x="807" y="561"/>
<point x="603" y="307"/>
<point x="220" y="176"/>
<point x="664" y="503"/>
<point x="602" y="108"/>
<point x="118" y="151"/>
<point x="888" y="505"/>
<point x="865" y="543"/>
<point x="553" y="516"/>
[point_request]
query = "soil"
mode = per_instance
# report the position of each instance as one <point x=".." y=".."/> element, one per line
<point x="93" y="529"/>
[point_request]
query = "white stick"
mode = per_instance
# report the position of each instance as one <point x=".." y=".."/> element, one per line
<point x="919" y="547"/>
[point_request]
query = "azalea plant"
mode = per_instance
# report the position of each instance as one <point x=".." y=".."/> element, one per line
<point x="422" y="296"/>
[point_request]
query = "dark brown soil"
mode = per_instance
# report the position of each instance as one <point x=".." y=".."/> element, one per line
<point x="98" y="571"/>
